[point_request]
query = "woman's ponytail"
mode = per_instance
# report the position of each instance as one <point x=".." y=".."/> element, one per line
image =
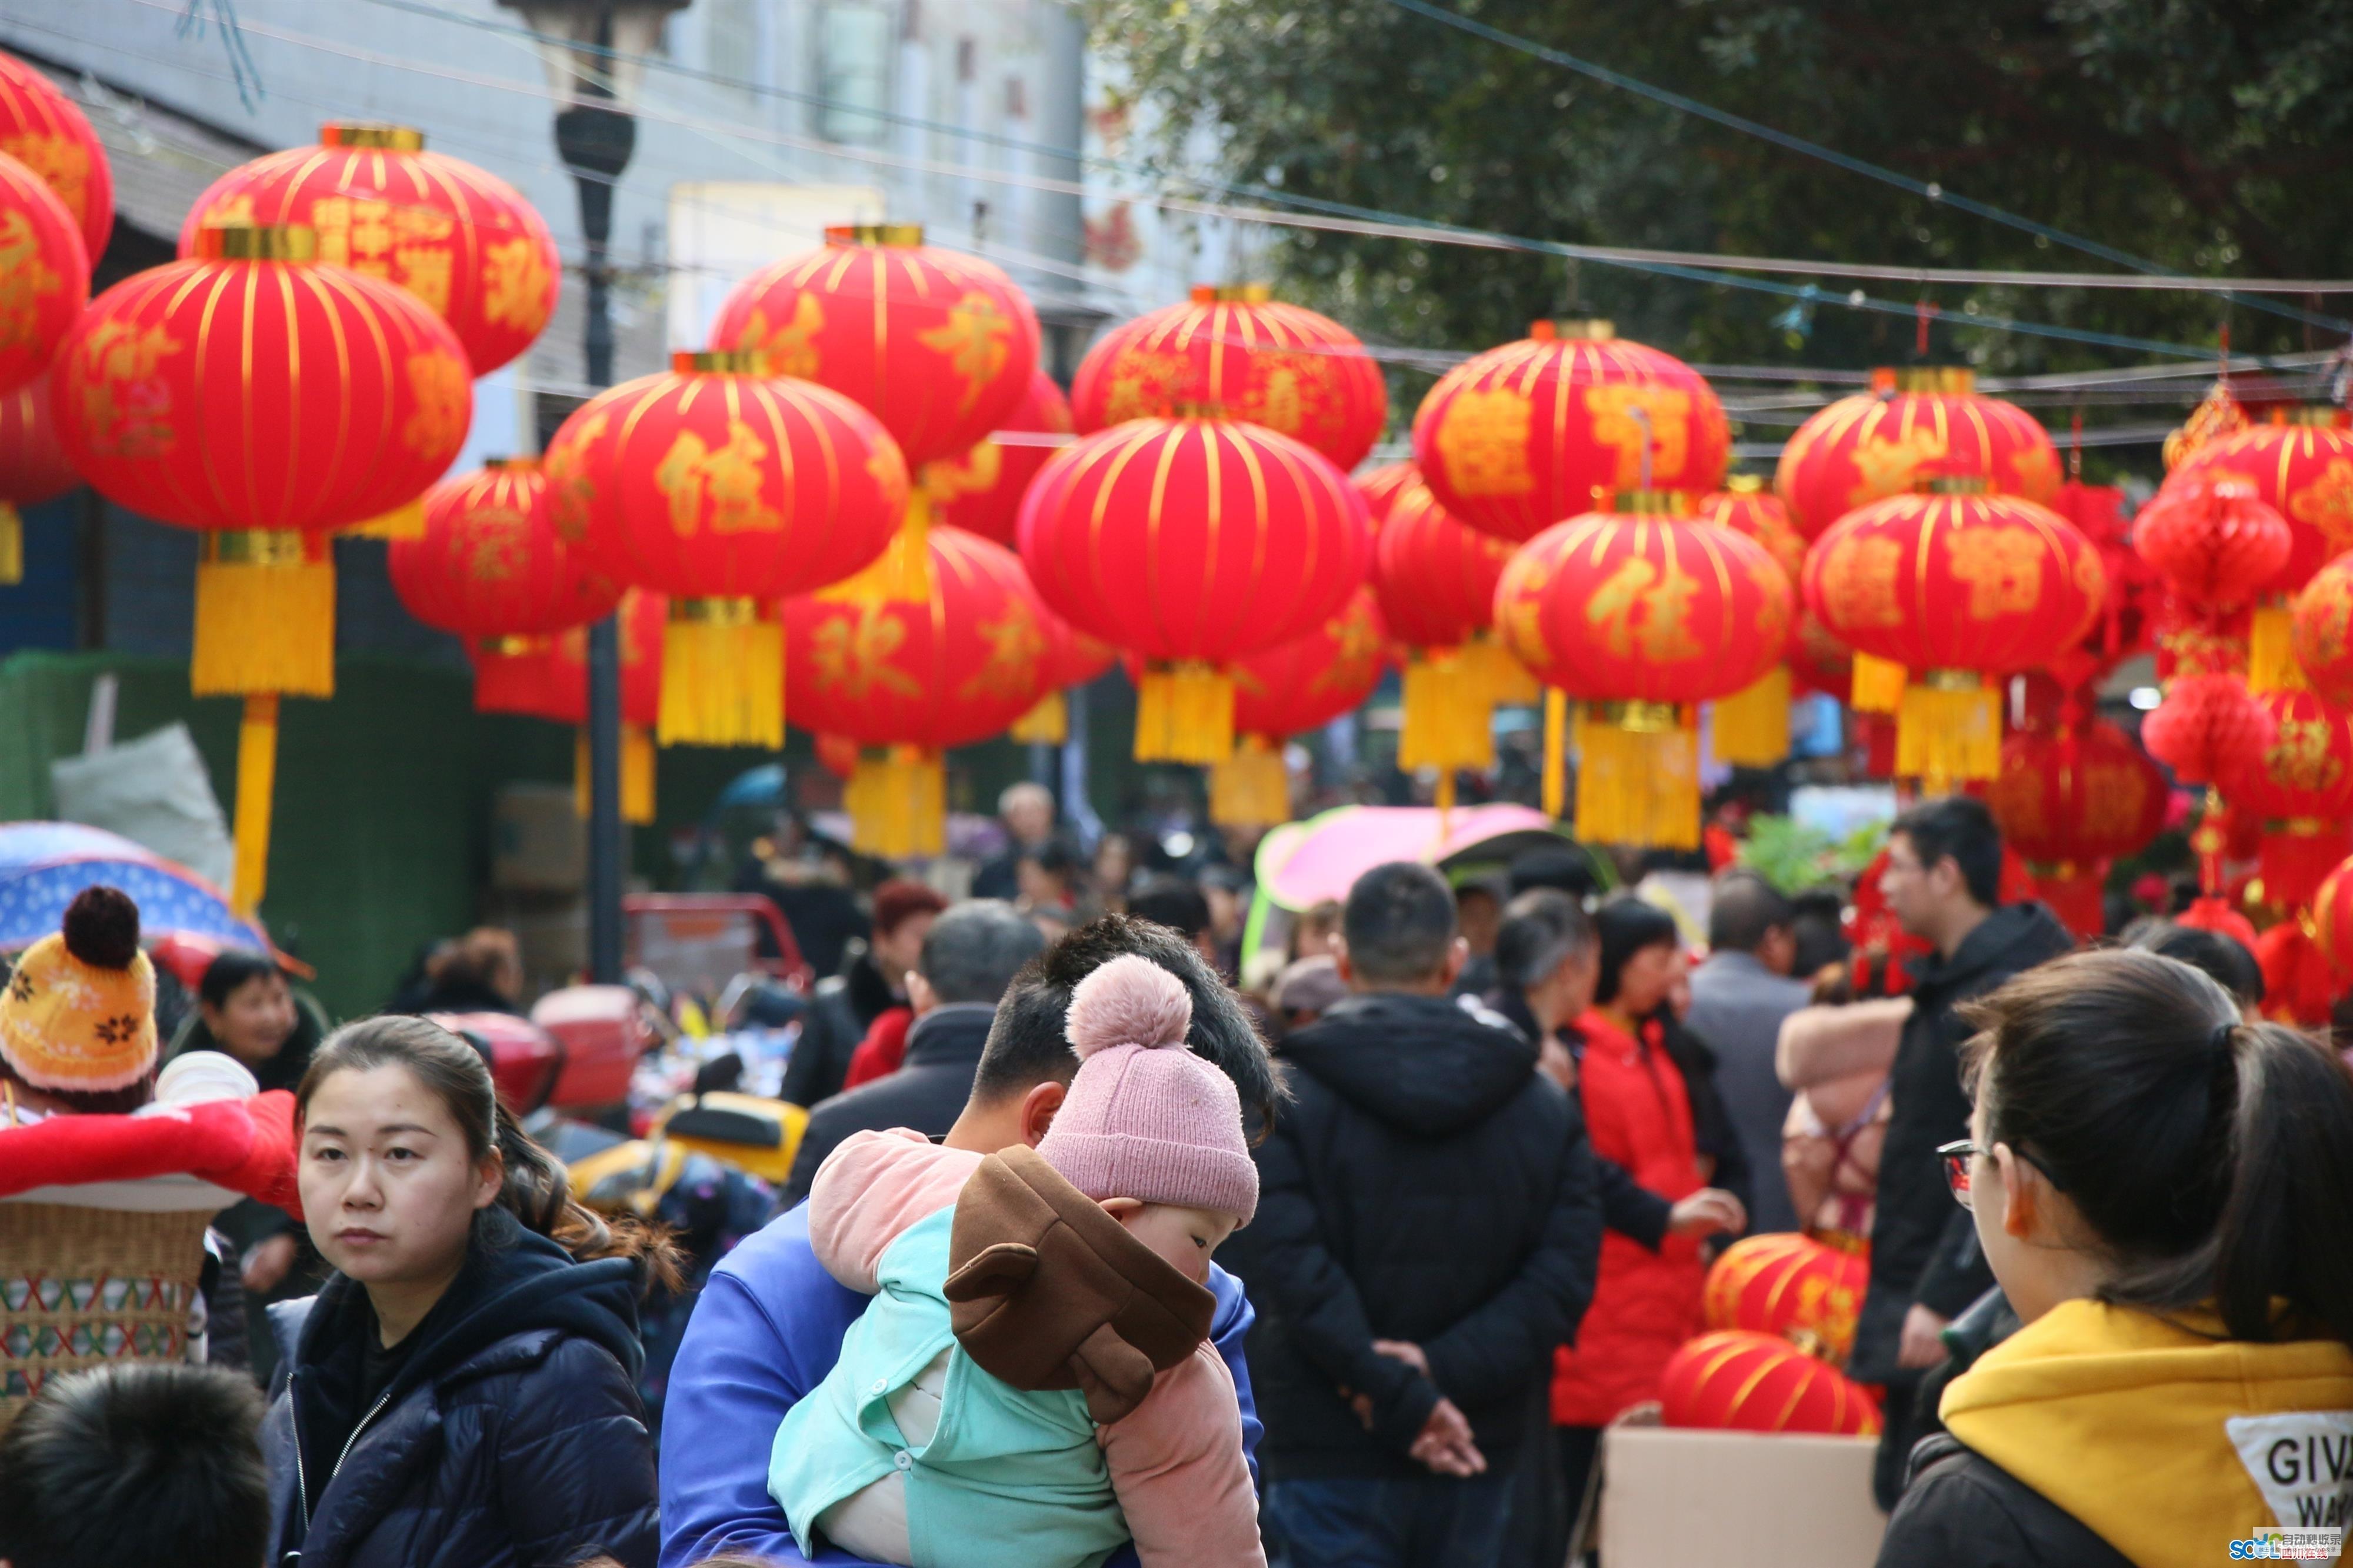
<point x="2286" y="1227"/>
<point x="537" y="1195"/>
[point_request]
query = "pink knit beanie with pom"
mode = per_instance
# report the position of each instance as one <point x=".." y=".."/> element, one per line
<point x="1145" y="1118"/>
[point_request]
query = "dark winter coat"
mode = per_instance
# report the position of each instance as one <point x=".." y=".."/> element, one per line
<point x="1922" y="1246"/>
<point x="1427" y="1184"/>
<point x="510" y="1437"/>
<point x="927" y="1093"/>
<point x="841" y="1011"/>
<point x="1960" y="1509"/>
<point x="1627" y="1206"/>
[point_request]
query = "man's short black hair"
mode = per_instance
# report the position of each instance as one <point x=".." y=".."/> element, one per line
<point x="1171" y="902"/>
<point x="1746" y="908"/>
<point x="1567" y="869"/>
<point x="1027" y="1045"/>
<point x="136" y="1463"/>
<point x="1400" y="924"/>
<point x="973" y="952"/>
<point x="1962" y="828"/>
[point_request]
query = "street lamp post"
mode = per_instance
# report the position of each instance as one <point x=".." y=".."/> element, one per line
<point x="593" y="49"/>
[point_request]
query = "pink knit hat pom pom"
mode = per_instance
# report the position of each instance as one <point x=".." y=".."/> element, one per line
<point x="1130" y="1001"/>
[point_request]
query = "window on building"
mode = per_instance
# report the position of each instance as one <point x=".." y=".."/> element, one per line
<point x="854" y="72"/>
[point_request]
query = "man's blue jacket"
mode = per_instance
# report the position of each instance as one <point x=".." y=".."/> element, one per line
<point x="767" y="1328"/>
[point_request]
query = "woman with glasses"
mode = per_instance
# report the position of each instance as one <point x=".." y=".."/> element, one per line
<point x="2165" y="1193"/>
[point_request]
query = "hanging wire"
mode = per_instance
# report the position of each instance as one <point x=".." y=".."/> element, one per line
<point x="247" y="75"/>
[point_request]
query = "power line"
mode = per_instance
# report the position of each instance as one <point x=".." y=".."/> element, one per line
<point x="1929" y="189"/>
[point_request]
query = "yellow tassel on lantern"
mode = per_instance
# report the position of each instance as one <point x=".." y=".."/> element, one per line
<point x="1449" y="718"/>
<point x="1047" y="725"/>
<point x="257" y="779"/>
<point x="400" y="522"/>
<point x="11" y="544"/>
<point x="1752" y="725"/>
<point x="1505" y="680"/>
<point x="636" y="775"/>
<point x="1555" y="752"/>
<point x="898" y="800"/>
<point x="265" y="616"/>
<point x="901" y="574"/>
<point x="1185" y="714"/>
<point x="722" y="679"/>
<point x="2271" y="650"/>
<point x="1252" y="788"/>
<point x="1637" y="776"/>
<point x="1949" y="730"/>
<point x="1878" y="685"/>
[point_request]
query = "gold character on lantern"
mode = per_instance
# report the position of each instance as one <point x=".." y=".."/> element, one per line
<point x="978" y="469"/>
<point x="569" y="491"/>
<point x="729" y="480"/>
<point x="354" y="232"/>
<point x="1143" y="386"/>
<point x="443" y="393"/>
<point x="2002" y="565"/>
<point x="2327" y="608"/>
<point x="790" y="347"/>
<point x="2299" y="758"/>
<point x="2037" y="469"/>
<point x="1354" y="645"/>
<point x="1859" y="575"/>
<point x="1885" y="464"/>
<point x="1662" y="600"/>
<point x="25" y="278"/>
<point x="974" y="338"/>
<point x="423" y="272"/>
<point x="1483" y="442"/>
<point x="2327" y="504"/>
<point x="62" y="162"/>
<point x="2114" y="798"/>
<point x="126" y="405"/>
<point x="853" y="651"/>
<point x="1664" y="427"/>
<point x="1016" y="644"/>
<point x="514" y="285"/>
<point x="496" y="544"/>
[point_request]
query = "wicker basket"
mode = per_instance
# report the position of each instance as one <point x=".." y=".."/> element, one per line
<point x="82" y="1287"/>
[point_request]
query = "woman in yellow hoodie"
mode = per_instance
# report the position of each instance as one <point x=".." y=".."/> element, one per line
<point x="2166" y="1195"/>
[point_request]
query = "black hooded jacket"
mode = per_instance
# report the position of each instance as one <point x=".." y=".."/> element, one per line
<point x="1427" y="1184"/>
<point x="510" y="1435"/>
<point x="1922" y="1246"/>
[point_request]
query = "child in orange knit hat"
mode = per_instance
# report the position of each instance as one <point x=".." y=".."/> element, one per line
<point x="78" y="1016"/>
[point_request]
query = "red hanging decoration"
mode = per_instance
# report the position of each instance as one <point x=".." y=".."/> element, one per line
<point x="1922" y="420"/>
<point x="1291" y="688"/>
<point x="2071" y="801"/>
<point x="1740" y="1382"/>
<point x="1381" y="486"/>
<point x="2321" y="631"/>
<point x="1435" y="578"/>
<point x="2206" y="724"/>
<point x="33" y="467"/>
<point x="981" y="490"/>
<point x="2300" y="986"/>
<point x="45" y="279"/>
<point x="2298" y="781"/>
<point x="46" y="131"/>
<point x="489" y="563"/>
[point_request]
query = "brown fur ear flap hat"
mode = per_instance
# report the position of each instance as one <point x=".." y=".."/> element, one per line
<point x="1048" y="1291"/>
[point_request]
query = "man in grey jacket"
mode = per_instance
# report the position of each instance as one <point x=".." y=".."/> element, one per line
<point x="1740" y="997"/>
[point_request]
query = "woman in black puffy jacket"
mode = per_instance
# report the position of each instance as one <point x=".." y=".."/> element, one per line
<point x="461" y="1392"/>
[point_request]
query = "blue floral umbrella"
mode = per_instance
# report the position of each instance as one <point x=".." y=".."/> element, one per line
<point x="44" y="864"/>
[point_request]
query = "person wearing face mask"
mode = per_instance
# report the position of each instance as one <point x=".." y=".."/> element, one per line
<point x="2164" y="1193"/>
<point x="460" y="1393"/>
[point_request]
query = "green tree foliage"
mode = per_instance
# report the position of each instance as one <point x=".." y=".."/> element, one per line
<point x="2208" y="135"/>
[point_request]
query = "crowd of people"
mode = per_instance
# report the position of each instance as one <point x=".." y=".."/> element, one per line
<point x="1097" y="1246"/>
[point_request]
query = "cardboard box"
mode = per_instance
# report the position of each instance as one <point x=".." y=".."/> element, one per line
<point x="1680" y="1499"/>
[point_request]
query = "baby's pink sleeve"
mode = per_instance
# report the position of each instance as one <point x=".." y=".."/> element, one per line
<point x="1177" y="1466"/>
<point x="870" y="1189"/>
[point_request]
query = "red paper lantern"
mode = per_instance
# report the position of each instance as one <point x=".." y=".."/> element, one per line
<point x="489" y="563"/>
<point x="561" y="694"/>
<point x="1747" y="506"/>
<point x="1280" y="365"/>
<point x="33" y="466"/>
<point x="981" y="490"/>
<point x="44" y="274"/>
<point x="2321" y="631"/>
<point x="338" y="397"/>
<point x="1074" y="658"/>
<point x="911" y="680"/>
<point x="1925" y="419"/>
<point x="1637" y="611"/>
<point x="2206" y="723"/>
<point x="1741" y="1382"/>
<point x="46" y="131"/>
<point x="2070" y="802"/>
<point x="2300" y="982"/>
<point x="725" y="490"/>
<point x="1192" y="541"/>
<point x="1381" y="486"/>
<point x="1289" y="687"/>
<point x="2332" y="920"/>
<point x="1435" y="578"/>
<point x="2214" y="914"/>
<point x="940" y="345"/>
<point x="2301" y="466"/>
<point x="2298" y="781"/>
<point x="2215" y="541"/>
<point x="1952" y="584"/>
<point x="1752" y="727"/>
<point x="462" y="240"/>
<point x="1517" y="438"/>
<point x="1791" y="1287"/>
